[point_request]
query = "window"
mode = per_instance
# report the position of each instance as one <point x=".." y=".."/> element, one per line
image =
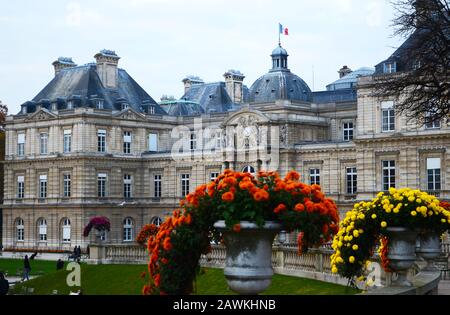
<point x="124" y="106"/>
<point x="388" y="116"/>
<point x="153" y="142"/>
<point x="67" y="185"/>
<point x="388" y="174"/>
<point x="390" y="67"/>
<point x="42" y="225"/>
<point x="218" y="140"/>
<point x="185" y="184"/>
<point x="20" y="229"/>
<point x="67" y="141"/>
<point x="128" y="230"/>
<point x="158" y="186"/>
<point x="127" y="142"/>
<point x="21" y="144"/>
<point x="314" y="176"/>
<point x="352" y="180"/>
<point x="43" y="186"/>
<point x="431" y="123"/>
<point x="193" y="142"/>
<point x="127" y="179"/>
<point x="43" y="143"/>
<point x="101" y="185"/>
<point x="100" y="104"/>
<point x="151" y="110"/>
<point x="70" y="105"/>
<point x="348" y="131"/>
<point x="66" y="231"/>
<point x="248" y="169"/>
<point x="101" y="141"/>
<point x="20" y="187"/>
<point x="434" y="173"/>
<point x="156" y="221"/>
<point x="214" y="175"/>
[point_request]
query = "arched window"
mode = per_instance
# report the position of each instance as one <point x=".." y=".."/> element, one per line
<point x="42" y="226"/>
<point x="20" y="226"/>
<point x="128" y="230"/>
<point x="156" y="221"/>
<point x="249" y="169"/>
<point x="66" y="231"/>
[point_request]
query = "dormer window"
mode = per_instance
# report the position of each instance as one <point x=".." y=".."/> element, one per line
<point x="125" y="106"/>
<point x="100" y="104"/>
<point x="151" y="110"/>
<point x="54" y="106"/>
<point x="390" y="67"/>
<point x="69" y="104"/>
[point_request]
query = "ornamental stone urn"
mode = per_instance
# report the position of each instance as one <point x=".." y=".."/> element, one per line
<point x="248" y="268"/>
<point x="429" y="248"/>
<point x="401" y="253"/>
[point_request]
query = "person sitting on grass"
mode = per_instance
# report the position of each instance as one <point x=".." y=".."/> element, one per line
<point x="4" y="284"/>
<point x="59" y="264"/>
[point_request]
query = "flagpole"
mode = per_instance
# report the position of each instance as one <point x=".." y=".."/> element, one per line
<point x="279" y="34"/>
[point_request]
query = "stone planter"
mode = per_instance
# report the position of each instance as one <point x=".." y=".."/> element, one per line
<point x="248" y="267"/>
<point x="401" y="253"/>
<point x="429" y="248"/>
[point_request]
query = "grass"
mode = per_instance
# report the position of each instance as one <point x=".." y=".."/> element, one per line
<point x="125" y="280"/>
<point x="14" y="267"/>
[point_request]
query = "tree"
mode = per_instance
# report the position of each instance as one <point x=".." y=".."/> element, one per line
<point x="421" y="84"/>
<point x="3" y="113"/>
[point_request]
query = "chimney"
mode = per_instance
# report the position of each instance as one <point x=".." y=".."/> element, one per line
<point x="234" y="84"/>
<point x="63" y="63"/>
<point x="107" y="62"/>
<point x="189" y="81"/>
<point x="344" y="71"/>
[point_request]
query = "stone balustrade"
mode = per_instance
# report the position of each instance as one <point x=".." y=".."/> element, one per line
<point x="315" y="264"/>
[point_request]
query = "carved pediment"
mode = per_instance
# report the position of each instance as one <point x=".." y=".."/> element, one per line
<point x="246" y="118"/>
<point x="130" y="114"/>
<point x="42" y="114"/>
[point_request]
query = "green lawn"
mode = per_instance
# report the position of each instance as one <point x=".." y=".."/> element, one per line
<point x="14" y="267"/>
<point x="125" y="280"/>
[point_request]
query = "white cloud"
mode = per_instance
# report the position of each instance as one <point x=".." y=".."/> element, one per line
<point x="78" y="16"/>
<point x="374" y="11"/>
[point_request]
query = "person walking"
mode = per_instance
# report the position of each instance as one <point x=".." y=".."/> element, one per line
<point x="26" y="268"/>
<point x="4" y="284"/>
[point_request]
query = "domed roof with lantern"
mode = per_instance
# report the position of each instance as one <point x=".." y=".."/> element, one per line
<point x="280" y="83"/>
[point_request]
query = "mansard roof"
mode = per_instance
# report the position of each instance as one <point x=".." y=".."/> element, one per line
<point x="83" y="85"/>
<point x="342" y="95"/>
<point x="212" y="97"/>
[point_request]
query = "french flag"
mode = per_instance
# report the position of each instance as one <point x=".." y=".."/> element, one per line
<point x="284" y="30"/>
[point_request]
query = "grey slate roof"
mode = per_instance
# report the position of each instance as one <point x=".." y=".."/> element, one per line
<point x="342" y="95"/>
<point x="279" y="85"/>
<point x="182" y="108"/>
<point x="349" y="81"/>
<point x="212" y="97"/>
<point x="83" y="85"/>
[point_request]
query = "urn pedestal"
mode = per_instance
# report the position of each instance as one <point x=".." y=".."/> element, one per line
<point x="429" y="248"/>
<point x="401" y="253"/>
<point x="248" y="268"/>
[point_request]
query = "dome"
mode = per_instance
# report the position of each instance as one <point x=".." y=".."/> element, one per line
<point x="280" y="83"/>
<point x="279" y="51"/>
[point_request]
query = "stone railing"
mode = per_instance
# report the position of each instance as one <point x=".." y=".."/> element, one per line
<point x="118" y="254"/>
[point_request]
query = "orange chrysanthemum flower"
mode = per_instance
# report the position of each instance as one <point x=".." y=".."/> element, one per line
<point x="299" y="207"/>
<point x="280" y="208"/>
<point x="228" y="196"/>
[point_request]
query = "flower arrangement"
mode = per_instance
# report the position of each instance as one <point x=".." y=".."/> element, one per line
<point x="234" y="197"/>
<point x="147" y="231"/>
<point x="367" y="223"/>
<point x="98" y="223"/>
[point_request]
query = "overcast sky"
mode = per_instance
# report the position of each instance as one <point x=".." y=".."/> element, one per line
<point x="162" y="41"/>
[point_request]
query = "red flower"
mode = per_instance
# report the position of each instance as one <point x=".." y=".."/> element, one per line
<point x="280" y="208"/>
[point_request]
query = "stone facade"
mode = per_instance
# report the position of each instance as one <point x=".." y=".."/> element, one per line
<point x="278" y="135"/>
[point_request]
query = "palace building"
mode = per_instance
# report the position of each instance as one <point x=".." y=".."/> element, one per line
<point x="93" y="142"/>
